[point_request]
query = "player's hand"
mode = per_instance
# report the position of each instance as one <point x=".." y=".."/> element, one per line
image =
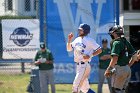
<point x="86" y="56"/>
<point x="102" y="58"/>
<point x="135" y="57"/>
<point x="37" y="62"/>
<point x="48" y="62"/>
<point x="70" y="36"/>
<point x="107" y="56"/>
<point x="107" y="73"/>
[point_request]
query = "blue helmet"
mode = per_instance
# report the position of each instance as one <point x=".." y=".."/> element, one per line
<point x="86" y="28"/>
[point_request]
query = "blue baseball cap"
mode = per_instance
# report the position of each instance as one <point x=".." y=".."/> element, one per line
<point x="85" y="27"/>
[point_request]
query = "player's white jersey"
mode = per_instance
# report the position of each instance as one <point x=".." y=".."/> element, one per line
<point x="84" y="46"/>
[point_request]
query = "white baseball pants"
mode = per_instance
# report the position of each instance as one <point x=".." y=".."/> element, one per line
<point x="81" y="82"/>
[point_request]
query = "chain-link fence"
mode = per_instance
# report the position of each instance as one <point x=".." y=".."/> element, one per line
<point x="23" y="26"/>
<point x="18" y="18"/>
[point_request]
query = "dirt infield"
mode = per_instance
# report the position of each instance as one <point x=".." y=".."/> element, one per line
<point x="105" y="88"/>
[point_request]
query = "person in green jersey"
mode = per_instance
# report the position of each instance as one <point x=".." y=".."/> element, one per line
<point x="119" y="67"/>
<point x="44" y="60"/>
<point x="104" y="60"/>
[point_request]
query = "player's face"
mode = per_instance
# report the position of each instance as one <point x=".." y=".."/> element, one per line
<point x="105" y="44"/>
<point x="115" y="35"/>
<point x="80" y="32"/>
<point x="112" y="35"/>
<point x="43" y="49"/>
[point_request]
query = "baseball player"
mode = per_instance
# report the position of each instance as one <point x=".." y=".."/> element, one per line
<point x="104" y="60"/>
<point x="44" y="60"/>
<point x="119" y="66"/>
<point x="84" y="49"/>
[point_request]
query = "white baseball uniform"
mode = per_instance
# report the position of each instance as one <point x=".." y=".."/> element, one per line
<point x="83" y="46"/>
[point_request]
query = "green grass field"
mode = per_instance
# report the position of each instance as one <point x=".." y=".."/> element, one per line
<point x="17" y="84"/>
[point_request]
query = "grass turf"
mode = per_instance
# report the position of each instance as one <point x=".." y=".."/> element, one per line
<point x="17" y="83"/>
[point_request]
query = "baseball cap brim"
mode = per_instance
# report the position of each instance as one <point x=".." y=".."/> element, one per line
<point x="80" y="28"/>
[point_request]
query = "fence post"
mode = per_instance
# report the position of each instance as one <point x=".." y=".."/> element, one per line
<point x="22" y="67"/>
<point x="41" y="18"/>
<point x="117" y="12"/>
<point x="1" y="44"/>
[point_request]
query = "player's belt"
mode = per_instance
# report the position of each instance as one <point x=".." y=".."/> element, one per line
<point x="82" y="63"/>
<point x="121" y="64"/>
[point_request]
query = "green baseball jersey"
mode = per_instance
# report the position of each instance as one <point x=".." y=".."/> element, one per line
<point x="118" y="48"/>
<point x="103" y="64"/>
<point x="46" y="54"/>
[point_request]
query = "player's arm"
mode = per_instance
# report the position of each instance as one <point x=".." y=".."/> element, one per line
<point x="105" y="57"/>
<point x="114" y="58"/>
<point x="132" y="51"/>
<point x="133" y="59"/>
<point x="50" y="59"/>
<point x="69" y="46"/>
<point x="97" y="52"/>
<point x="113" y="62"/>
<point x="96" y="47"/>
<point x="115" y="52"/>
<point x="36" y="59"/>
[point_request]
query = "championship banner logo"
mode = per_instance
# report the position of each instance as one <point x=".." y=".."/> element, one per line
<point x="20" y="38"/>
